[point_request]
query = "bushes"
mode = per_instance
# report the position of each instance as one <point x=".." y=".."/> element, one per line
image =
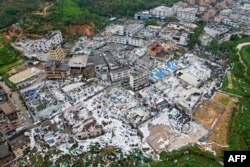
<point x="195" y="37"/>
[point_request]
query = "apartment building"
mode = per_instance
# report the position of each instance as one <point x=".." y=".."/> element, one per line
<point x="56" y="53"/>
<point x="187" y="14"/>
<point x="44" y="44"/>
<point x="138" y="80"/>
<point x="119" y="74"/>
<point x="162" y="12"/>
<point x="128" y="40"/>
<point x="56" y="70"/>
<point x="132" y="29"/>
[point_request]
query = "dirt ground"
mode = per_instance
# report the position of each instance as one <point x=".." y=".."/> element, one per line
<point x="79" y="30"/>
<point x="218" y="140"/>
<point x="207" y="113"/>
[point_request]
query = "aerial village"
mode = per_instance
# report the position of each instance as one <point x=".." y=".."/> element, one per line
<point x="130" y="86"/>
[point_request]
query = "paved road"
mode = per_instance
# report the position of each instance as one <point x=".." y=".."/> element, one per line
<point x="16" y="101"/>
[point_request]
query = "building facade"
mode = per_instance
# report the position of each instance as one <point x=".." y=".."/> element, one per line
<point x="138" y="80"/>
<point x="119" y="74"/>
<point x="56" y="53"/>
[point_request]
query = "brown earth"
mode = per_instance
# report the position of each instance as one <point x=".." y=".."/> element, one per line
<point x="220" y="133"/>
<point x="207" y="113"/>
<point x="79" y="30"/>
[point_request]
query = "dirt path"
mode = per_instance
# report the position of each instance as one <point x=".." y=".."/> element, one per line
<point x="45" y="10"/>
<point x="230" y="83"/>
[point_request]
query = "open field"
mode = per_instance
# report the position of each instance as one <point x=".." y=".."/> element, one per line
<point x="9" y="57"/>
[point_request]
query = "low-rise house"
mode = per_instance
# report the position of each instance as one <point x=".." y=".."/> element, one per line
<point x="144" y="15"/>
<point x="26" y="77"/>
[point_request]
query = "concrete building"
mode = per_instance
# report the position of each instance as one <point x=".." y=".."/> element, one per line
<point x="56" y="70"/>
<point x="79" y="90"/>
<point x="138" y="80"/>
<point x="144" y="15"/>
<point x="125" y="40"/>
<point x="44" y="44"/>
<point x="162" y="12"/>
<point x="100" y="65"/>
<point x="229" y="22"/>
<point x="10" y="119"/>
<point x="20" y="144"/>
<point x="26" y="77"/>
<point x="226" y="12"/>
<point x="78" y="61"/>
<point x="132" y="29"/>
<point x="120" y="27"/>
<point x="119" y="74"/>
<point x="187" y="14"/>
<point x="210" y="14"/>
<point x="56" y="53"/>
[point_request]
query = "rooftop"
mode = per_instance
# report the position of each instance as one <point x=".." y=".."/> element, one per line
<point x="24" y="75"/>
<point x="78" y="61"/>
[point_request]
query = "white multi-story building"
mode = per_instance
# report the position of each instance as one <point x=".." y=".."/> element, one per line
<point x="79" y="90"/>
<point x="44" y="44"/>
<point x="226" y="12"/>
<point x="136" y="42"/>
<point x="128" y="40"/>
<point x="120" y="73"/>
<point x="132" y="29"/>
<point x="119" y="39"/>
<point x="230" y="23"/>
<point x="138" y="80"/>
<point x="187" y="14"/>
<point x="162" y="12"/>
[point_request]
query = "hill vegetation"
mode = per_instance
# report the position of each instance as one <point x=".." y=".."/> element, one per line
<point x="12" y="10"/>
<point x="71" y="12"/>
